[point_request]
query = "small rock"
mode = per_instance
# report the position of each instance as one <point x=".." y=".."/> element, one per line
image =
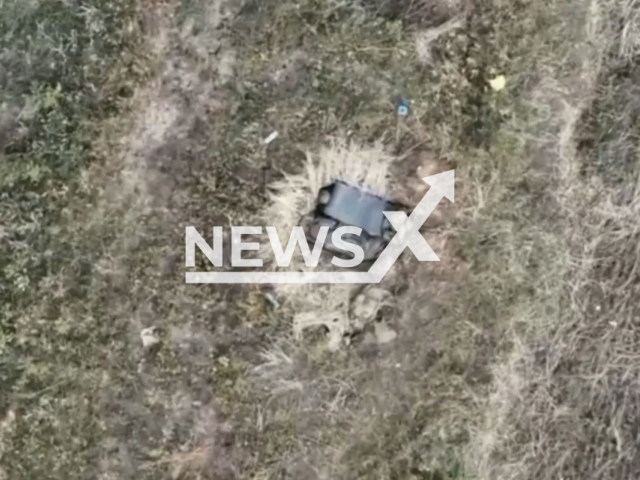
<point x="155" y="453"/>
<point x="366" y="306"/>
<point x="383" y="333"/>
<point x="149" y="337"/>
<point x="8" y="422"/>
<point x="335" y="322"/>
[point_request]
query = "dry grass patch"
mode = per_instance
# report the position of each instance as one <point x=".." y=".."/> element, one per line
<point x="560" y="402"/>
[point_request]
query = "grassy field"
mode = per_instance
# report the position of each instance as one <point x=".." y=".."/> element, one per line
<point x="123" y="121"/>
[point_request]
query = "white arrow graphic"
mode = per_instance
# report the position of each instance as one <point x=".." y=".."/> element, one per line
<point x="407" y="228"/>
<point x="408" y="235"/>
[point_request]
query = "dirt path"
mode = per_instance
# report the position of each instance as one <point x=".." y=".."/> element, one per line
<point x="162" y="410"/>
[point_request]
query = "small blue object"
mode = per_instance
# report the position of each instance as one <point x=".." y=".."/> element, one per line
<point x="403" y="108"/>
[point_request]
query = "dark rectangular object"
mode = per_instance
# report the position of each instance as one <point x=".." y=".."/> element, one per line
<point x="352" y="206"/>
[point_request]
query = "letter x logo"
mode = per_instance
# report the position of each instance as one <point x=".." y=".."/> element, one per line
<point x="408" y="228"/>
